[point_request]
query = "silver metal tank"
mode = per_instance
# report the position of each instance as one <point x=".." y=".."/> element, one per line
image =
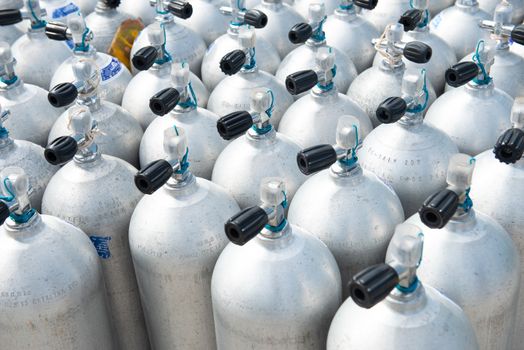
<point x="174" y="255"/>
<point x="267" y="55"/>
<point x="390" y="308"/>
<point x="10" y="33"/>
<point x="206" y="21"/>
<point x="154" y="64"/>
<point x="33" y="116"/>
<point x="313" y="119"/>
<point x="406" y="153"/>
<point x="182" y="43"/>
<point x="435" y="6"/>
<point x="180" y="106"/>
<point x="114" y="76"/>
<point x="53" y="296"/>
<point x="140" y="9"/>
<point x="470" y="258"/>
<point x="259" y="153"/>
<point x="518" y="8"/>
<point x="120" y="132"/>
<point x="386" y="12"/>
<point x="359" y="211"/>
<point x="384" y="79"/>
<point x="275" y="283"/>
<point x="302" y="6"/>
<point x="95" y="192"/>
<point x="234" y="92"/>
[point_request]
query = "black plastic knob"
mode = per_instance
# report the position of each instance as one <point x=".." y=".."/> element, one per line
<point x="56" y="31"/>
<point x="391" y="110"/>
<point x="113" y="4"/>
<point x="510" y="146"/>
<point x="234" y="124"/>
<point x="232" y="62"/>
<point x="371" y="285"/>
<point x="316" y="158"/>
<point x="153" y="176"/>
<point x="517" y="34"/>
<point x="417" y="52"/>
<point x="255" y="18"/>
<point x="461" y="73"/>
<point x="62" y="95"/>
<point x="145" y="58"/>
<point x="181" y="9"/>
<point x="61" y="150"/>
<point x="164" y="101"/>
<point x="299" y="33"/>
<point x="4" y="212"/>
<point x="439" y="208"/>
<point x="9" y="17"/>
<point x="244" y="226"/>
<point x="410" y="19"/>
<point x="300" y="82"/>
<point x="366" y="4"/>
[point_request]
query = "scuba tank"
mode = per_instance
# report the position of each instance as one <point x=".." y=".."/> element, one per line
<point x="261" y="152"/>
<point x="242" y="19"/>
<point x="360" y="211"/>
<point x="350" y="33"/>
<point x="313" y="118"/>
<point x="234" y="92"/>
<point x="383" y="80"/>
<point x="496" y="189"/>
<point x="28" y="156"/>
<point x="175" y="253"/>
<point x="183" y="44"/>
<point x="60" y="10"/>
<point x="474" y="115"/>
<point x="304" y="57"/>
<point x="458" y="26"/>
<point x="276" y="30"/>
<point x="386" y="12"/>
<point x="140" y="9"/>
<point x="37" y="57"/>
<point x="54" y="298"/>
<point x="405" y="152"/>
<point x="302" y="6"/>
<point x="95" y="192"/>
<point x="390" y="308"/>
<point x="275" y="283"/>
<point x="154" y="64"/>
<point x="114" y="76"/>
<point x="518" y="8"/>
<point x="104" y="22"/>
<point x="34" y="117"/>
<point x="10" y="33"/>
<point x="206" y="21"/>
<point x="120" y="132"/>
<point x="470" y="258"/>
<point x="435" y="6"/>
<point x="180" y="105"/>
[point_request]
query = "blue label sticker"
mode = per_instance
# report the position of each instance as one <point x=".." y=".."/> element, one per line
<point x="113" y="68"/>
<point x="102" y="246"/>
<point x="64" y="11"/>
<point x="70" y="44"/>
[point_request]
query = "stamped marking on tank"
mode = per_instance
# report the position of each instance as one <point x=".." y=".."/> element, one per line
<point x="436" y="21"/>
<point x="102" y="246"/>
<point x="65" y="11"/>
<point x="111" y="70"/>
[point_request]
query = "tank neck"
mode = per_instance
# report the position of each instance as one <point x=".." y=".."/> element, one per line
<point x="462" y="221"/>
<point x="407" y="303"/>
<point x="259" y="133"/>
<point x="188" y="100"/>
<point x="411" y="119"/>
<point x="88" y="155"/>
<point x="394" y="64"/>
<point x="13" y="84"/>
<point x="6" y="141"/>
<point x="90" y="53"/>
<point x="467" y="5"/>
<point x="276" y="233"/>
<point x="91" y="101"/>
<point x="182" y="184"/>
<point x="25" y="229"/>
<point x="480" y="90"/>
<point x="272" y="2"/>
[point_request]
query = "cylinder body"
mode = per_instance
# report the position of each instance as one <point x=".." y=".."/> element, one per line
<point x="104" y="23"/>
<point x="206" y="21"/>
<point x="386" y="12"/>
<point x="138" y="9"/>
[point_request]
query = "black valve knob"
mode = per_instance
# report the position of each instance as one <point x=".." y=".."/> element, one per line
<point x="145" y="58"/>
<point x="255" y="18"/>
<point x="316" y="158"/>
<point x="417" y="52"/>
<point x="4" y="212"/>
<point x="517" y="34"/>
<point x="153" y="176"/>
<point x="410" y="19"/>
<point x="300" y="82"/>
<point x="232" y="62"/>
<point x="371" y="285"/>
<point x="181" y="9"/>
<point x="234" y="124"/>
<point x="366" y="4"/>
<point x="62" y="95"/>
<point x="461" y="73"/>
<point x="244" y="226"/>
<point x="299" y="33"/>
<point x="113" y="4"/>
<point x="164" y="101"/>
<point x="439" y="208"/>
<point x="56" y="31"/>
<point x="510" y="146"/>
<point x="61" y="150"/>
<point x="391" y="110"/>
<point x="9" y="17"/>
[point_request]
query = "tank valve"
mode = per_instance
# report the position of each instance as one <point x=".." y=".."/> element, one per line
<point x="32" y="12"/>
<point x="366" y="4"/>
<point x="510" y="145"/>
<point x="75" y="30"/>
<point x="7" y="65"/>
<point x="302" y="32"/>
<point x="476" y="71"/>
<point x="501" y="28"/>
<point x="237" y="60"/>
<point x="178" y="8"/>
<point x="15" y="192"/>
<point x="322" y="77"/>
<point x="391" y="46"/>
<point x="164" y="101"/>
<point x="244" y="17"/>
<point x="410" y="19"/>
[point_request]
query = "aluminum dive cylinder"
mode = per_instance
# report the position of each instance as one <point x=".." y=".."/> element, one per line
<point x="10" y="33"/>
<point x="95" y="192"/>
<point x="406" y="153"/>
<point x="390" y="308"/>
<point x="206" y="20"/>
<point x="120" y="133"/>
<point x="140" y="9"/>
<point x="275" y="283"/>
<point x="357" y="239"/>
<point x="518" y="8"/>
<point x="313" y="119"/>
<point x="386" y="12"/>
<point x="479" y="258"/>
<point x="302" y="6"/>
<point x="436" y="6"/>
